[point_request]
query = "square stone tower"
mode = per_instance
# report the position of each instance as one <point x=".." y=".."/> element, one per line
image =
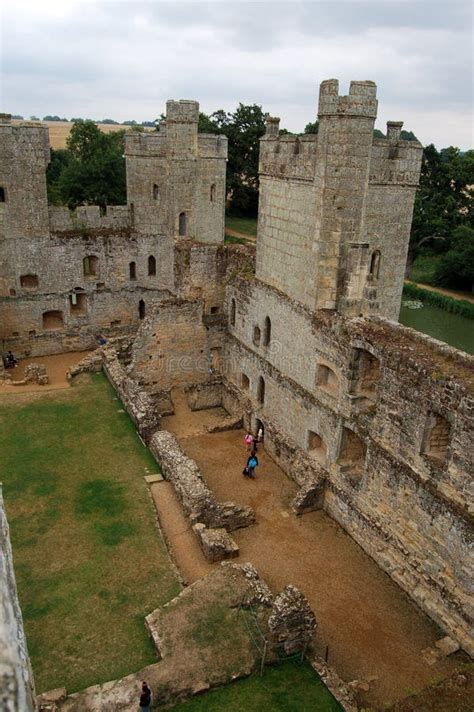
<point x="24" y="156"/>
<point x="336" y="207"/>
<point x="176" y="177"/>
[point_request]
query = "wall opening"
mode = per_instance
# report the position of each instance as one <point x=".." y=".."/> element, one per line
<point x="261" y="390"/>
<point x="2" y="195"/>
<point x="245" y="382"/>
<point x="316" y="447"/>
<point x="233" y="309"/>
<point x="141" y="309"/>
<point x="326" y="379"/>
<point x="132" y="270"/>
<point x="256" y="335"/>
<point x="90" y="265"/>
<point x="151" y="266"/>
<point x="366" y="373"/>
<point x="78" y="303"/>
<point x="436" y="438"/>
<point x="374" y="265"/>
<point x="267" y="331"/>
<point x="156" y="192"/>
<point x="53" y="320"/>
<point x="212" y="195"/>
<point x="132" y="214"/>
<point x="29" y="281"/>
<point x="182" y="224"/>
<point x="352" y="456"/>
<point x="214" y="310"/>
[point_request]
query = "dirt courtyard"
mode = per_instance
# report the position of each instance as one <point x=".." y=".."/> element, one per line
<point x="56" y="368"/>
<point x="374" y="632"/>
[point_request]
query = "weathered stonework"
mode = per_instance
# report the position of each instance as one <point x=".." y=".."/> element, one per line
<point x="197" y="499"/>
<point x="372" y="420"/>
<point x="16" y="678"/>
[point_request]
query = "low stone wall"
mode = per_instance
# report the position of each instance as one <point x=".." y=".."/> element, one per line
<point x="197" y="499"/>
<point x="138" y="403"/>
<point x="204" y="395"/>
<point x="16" y="677"/>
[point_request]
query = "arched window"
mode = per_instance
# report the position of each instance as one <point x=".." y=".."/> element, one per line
<point x="316" y="447"/>
<point x="156" y="192"/>
<point x="141" y="309"/>
<point x="327" y="379"/>
<point x="352" y="456"/>
<point x="366" y="373"/>
<point x="256" y="335"/>
<point x="151" y="266"/>
<point x="436" y="438"/>
<point x="182" y="224"/>
<point x="132" y="214"/>
<point x="132" y="270"/>
<point x="374" y="264"/>
<point x="77" y="302"/>
<point x="2" y="195"/>
<point x="267" y="332"/>
<point x="53" y="320"/>
<point x="232" y="312"/>
<point x="245" y="382"/>
<point x="90" y="265"/>
<point x="212" y="194"/>
<point x="261" y="390"/>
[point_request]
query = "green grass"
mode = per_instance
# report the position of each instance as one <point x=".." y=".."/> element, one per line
<point x="247" y="226"/>
<point x="88" y="558"/>
<point x="232" y="240"/>
<point x="287" y="687"/>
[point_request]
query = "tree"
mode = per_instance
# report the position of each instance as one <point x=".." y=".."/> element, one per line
<point x="444" y="199"/>
<point x="456" y="267"/>
<point x="95" y="172"/>
<point x="312" y="127"/>
<point x="59" y="160"/>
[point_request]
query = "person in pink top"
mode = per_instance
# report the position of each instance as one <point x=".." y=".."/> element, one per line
<point x="248" y="439"/>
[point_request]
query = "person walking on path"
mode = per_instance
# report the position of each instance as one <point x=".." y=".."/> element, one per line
<point x="252" y="463"/>
<point x="145" y="698"/>
<point x="248" y="439"/>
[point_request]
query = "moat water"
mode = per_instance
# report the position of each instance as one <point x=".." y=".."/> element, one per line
<point x="453" y="329"/>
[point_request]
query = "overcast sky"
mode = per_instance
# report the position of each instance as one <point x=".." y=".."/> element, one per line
<point x="124" y="59"/>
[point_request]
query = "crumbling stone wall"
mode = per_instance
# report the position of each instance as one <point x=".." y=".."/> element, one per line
<point x="197" y="499"/>
<point x="409" y="511"/>
<point x="16" y="678"/>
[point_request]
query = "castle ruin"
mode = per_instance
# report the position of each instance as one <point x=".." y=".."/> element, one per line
<point x="371" y="419"/>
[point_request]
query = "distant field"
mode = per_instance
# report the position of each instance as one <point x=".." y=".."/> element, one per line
<point x="59" y="130"/>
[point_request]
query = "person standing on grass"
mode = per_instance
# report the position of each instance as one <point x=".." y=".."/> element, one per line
<point x="145" y="698"/>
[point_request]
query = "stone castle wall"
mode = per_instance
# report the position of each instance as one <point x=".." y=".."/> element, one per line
<point x="336" y="208"/>
<point x="397" y="499"/>
<point x="16" y="678"/>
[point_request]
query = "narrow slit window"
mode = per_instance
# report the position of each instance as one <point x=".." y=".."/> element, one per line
<point x="182" y="224"/>
<point x="132" y="270"/>
<point x="151" y="266"/>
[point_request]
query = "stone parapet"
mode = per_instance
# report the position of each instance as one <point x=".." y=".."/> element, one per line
<point x="88" y="217"/>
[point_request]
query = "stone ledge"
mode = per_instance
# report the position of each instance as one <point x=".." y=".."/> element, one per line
<point x="216" y="544"/>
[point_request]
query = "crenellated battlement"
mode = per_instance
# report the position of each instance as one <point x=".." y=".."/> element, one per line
<point x="394" y="161"/>
<point x="89" y="217"/>
<point x="361" y="100"/>
<point x="287" y="156"/>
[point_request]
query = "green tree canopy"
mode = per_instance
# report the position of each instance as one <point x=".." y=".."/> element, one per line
<point x="456" y="267"/>
<point x="95" y="171"/>
<point x="444" y="200"/>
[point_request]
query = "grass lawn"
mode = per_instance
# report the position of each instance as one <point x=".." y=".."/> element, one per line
<point x="88" y="558"/>
<point x="247" y="226"/>
<point x="287" y="687"/>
